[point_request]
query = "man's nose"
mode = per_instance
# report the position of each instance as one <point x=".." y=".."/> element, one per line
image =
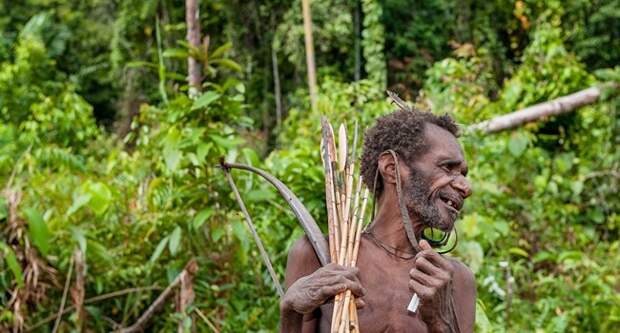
<point x="462" y="185"/>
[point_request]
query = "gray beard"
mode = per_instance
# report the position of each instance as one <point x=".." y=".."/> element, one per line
<point x="417" y="198"/>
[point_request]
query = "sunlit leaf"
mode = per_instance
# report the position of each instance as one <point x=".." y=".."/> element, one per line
<point x="172" y="153"/>
<point x="175" y="241"/>
<point x="517" y="144"/>
<point x="519" y="251"/>
<point x="229" y="143"/>
<point x="228" y="64"/>
<point x="3" y="208"/>
<point x="205" y="100"/>
<point x="78" y="235"/>
<point x="37" y="230"/>
<point x="175" y="53"/>
<point x="100" y="197"/>
<point x="79" y="200"/>
<point x="201" y="217"/>
<point x="11" y="262"/>
<point x="172" y="156"/>
<point x="221" y="50"/>
<point x="217" y="232"/>
<point x="158" y="250"/>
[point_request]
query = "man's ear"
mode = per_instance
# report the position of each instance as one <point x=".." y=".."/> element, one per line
<point x="387" y="168"/>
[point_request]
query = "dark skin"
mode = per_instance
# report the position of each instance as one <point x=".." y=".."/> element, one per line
<point x="385" y="282"/>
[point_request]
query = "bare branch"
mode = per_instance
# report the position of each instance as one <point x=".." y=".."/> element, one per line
<point x="554" y="107"/>
<point x="190" y="269"/>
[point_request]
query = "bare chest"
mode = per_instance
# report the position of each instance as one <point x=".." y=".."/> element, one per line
<point x="387" y="284"/>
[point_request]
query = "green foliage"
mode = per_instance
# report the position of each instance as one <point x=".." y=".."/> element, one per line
<point x="373" y="40"/>
<point x="547" y="232"/>
<point x="540" y="232"/>
<point x="332" y="31"/>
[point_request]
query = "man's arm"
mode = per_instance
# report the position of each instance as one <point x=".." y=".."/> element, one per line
<point x="309" y="286"/>
<point x="302" y="261"/>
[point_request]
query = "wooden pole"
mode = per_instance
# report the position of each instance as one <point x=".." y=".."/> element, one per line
<point x="554" y="107"/>
<point x="193" y="38"/>
<point x="305" y="4"/>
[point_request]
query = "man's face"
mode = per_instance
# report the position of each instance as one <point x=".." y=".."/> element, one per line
<point x="436" y="186"/>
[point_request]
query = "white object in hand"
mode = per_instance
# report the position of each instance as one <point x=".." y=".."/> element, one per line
<point x="414" y="303"/>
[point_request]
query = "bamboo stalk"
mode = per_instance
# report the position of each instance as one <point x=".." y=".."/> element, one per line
<point x="352" y="246"/>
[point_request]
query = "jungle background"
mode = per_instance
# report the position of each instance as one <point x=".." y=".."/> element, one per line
<point x="108" y="160"/>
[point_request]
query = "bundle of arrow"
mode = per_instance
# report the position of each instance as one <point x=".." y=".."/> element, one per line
<point x="346" y="203"/>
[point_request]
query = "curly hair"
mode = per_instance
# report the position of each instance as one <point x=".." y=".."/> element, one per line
<point x="403" y="132"/>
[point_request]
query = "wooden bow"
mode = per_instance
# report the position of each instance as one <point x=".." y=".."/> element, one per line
<point x="312" y="230"/>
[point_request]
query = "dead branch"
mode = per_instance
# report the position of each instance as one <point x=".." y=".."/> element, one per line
<point x="78" y="291"/>
<point x="536" y="112"/>
<point x="186" y="298"/>
<point x="206" y="320"/>
<point x="190" y="269"/>
<point x="64" y="296"/>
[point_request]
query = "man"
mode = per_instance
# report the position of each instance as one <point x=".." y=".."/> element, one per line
<point x="421" y="151"/>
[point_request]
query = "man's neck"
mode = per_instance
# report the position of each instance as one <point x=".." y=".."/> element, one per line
<point x="388" y="227"/>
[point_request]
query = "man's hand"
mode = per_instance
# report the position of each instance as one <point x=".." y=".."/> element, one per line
<point x="430" y="279"/>
<point x="310" y="292"/>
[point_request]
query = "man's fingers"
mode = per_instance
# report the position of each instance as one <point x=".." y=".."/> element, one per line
<point x="335" y="289"/>
<point x="429" y="268"/>
<point x="424" y="245"/>
<point x="425" y="279"/>
<point x="423" y="291"/>
<point x="359" y="303"/>
<point x="356" y="289"/>
<point x="434" y="258"/>
<point x="352" y="272"/>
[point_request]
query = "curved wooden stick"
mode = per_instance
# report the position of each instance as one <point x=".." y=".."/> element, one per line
<point x="303" y="216"/>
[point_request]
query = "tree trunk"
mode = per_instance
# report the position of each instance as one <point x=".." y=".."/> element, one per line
<point x="356" y="40"/>
<point x="309" y="51"/>
<point x="193" y="38"/>
<point x="276" y="86"/>
<point x="554" y="107"/>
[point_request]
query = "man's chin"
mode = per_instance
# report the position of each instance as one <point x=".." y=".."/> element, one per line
<point x="448" y="219"/>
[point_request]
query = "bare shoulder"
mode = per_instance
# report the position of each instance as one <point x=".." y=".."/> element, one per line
<point x="463" y="275"/>
<point x="464" y="292"/>
<point x="302" y="260"/>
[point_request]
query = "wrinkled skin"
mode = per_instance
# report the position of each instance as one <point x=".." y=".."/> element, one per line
<point x="434" y="187"/>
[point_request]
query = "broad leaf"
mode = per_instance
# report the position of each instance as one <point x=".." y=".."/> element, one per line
<point x="100" y="197"/>
<point x="11" y="261"/>
<point x="37" y="230"/>
<point x="201" y="217"/>
<point x="517" y="144"/>
<point x="175" y="241"/>
<point x="205" y="100"/>
<point x="158" y="250"/>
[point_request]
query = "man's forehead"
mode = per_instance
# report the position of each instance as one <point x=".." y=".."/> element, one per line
<point x="442" y="142"/>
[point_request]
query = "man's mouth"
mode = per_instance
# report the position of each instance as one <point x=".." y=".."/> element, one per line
<point x="453" y="202"/>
